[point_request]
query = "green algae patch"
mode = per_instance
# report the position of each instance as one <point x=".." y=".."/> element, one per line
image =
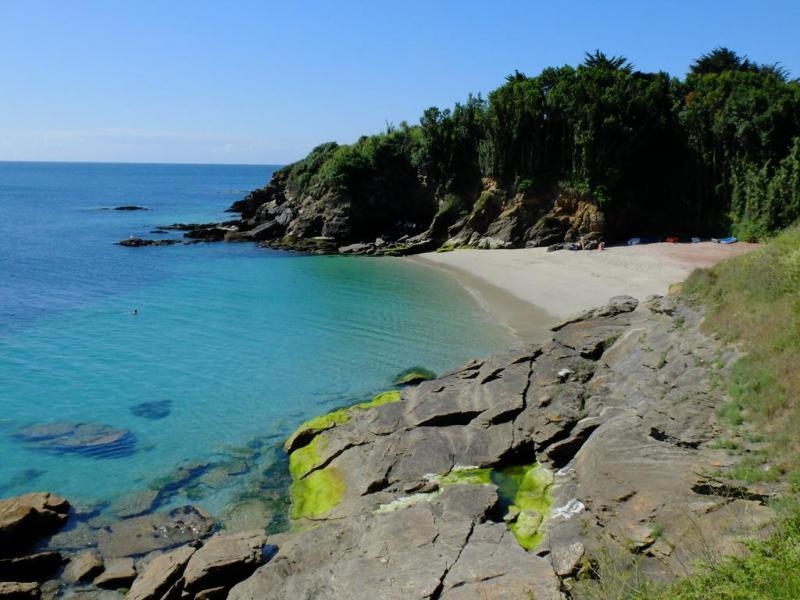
<point x="526" y="488"/>
<point x="379" y="400"/>
<point x="524" y="491"/>
<point x="312" y="427"/>
<point x="472" y="475"/>
<point x="413" y="376"/>
<point x="317" y="494"/>
<point x="304" y="460"/>
<point x="316" y="425"/>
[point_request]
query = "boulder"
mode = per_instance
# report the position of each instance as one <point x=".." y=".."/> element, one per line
<point x="224" y="560"/>
<point x="83" y="567"/>
<point x="90" y="439"/>
<point x="157" y="531"/>
<point x="24" y="519"/>
<point x="137" y="242"/>
<point x="118" y="573"/>
<point x="160" y="575"/>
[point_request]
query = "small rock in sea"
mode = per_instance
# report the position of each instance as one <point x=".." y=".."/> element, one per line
<point x="129" y="207"/>
<point x="136" y="242"/>
<point x="157" y="409"/>
<point x="91" y="439"/>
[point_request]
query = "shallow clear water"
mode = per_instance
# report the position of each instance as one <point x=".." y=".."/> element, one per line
<point x="240" y="341"/>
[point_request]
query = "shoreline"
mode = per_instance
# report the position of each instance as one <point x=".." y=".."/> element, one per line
<point x="529" y="290"/>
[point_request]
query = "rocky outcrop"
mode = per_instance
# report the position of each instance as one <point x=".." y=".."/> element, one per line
<point x="522" y="474"/>
<point x="393" y="212"/>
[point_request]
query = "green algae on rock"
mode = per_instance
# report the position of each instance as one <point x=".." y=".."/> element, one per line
<point x="316" y="425"/>
<point x="316" y="494"/>
<point x="304" y="460"/>
<point x="524" y="491"/>
<point x="413" y="376"/>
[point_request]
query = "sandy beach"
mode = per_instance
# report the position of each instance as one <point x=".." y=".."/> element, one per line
<point x="530" y="289"/>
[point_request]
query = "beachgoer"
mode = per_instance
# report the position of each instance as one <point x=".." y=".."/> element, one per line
<point x="135" y="311"/>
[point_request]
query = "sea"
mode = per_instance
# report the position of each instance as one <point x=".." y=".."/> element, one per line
<point x="172" y="374"/>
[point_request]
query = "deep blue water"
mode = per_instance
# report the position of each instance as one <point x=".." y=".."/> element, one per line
<point x="230" y="342"/>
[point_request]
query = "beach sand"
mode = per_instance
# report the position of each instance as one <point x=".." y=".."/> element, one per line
<point x="529" y="290"/>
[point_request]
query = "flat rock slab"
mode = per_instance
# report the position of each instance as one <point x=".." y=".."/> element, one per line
<point x="225" y="560"/>
<point x="118" y="573"/>
<point x="33" y="567"/>
<point x="91" y="439"/>
<point x="11" y="590"/>
<point x="158" y="531"/>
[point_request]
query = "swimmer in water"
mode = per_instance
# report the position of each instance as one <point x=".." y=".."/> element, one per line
<point x="135" y="311"/>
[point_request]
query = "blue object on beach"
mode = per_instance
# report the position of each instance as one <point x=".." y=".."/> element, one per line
<point x="696" y="240"/>
<point x="728" y="240"/>
<point x="634" y="241"/>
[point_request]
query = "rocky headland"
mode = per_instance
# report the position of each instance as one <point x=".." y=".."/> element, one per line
<point x="297" y="210"/>
<point x="530" y="474"/>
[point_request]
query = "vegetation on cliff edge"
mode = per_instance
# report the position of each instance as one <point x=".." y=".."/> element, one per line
<point x="717" y="151"/>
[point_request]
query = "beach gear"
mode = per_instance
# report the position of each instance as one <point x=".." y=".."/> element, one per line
<point x="634" y="241"/>
<point x="695" y="240"/>
<point x="728" y="240"/>
<point x="672" y="240"/>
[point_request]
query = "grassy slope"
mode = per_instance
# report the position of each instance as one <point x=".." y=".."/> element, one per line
<point x="754" y="301"/>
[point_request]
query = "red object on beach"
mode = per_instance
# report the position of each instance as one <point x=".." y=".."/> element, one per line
<point x="672" y="240"/>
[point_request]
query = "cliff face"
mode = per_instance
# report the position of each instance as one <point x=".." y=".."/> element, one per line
<point x="392" y="211"/>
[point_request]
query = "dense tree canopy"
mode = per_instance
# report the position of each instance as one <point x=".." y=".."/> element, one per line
<point x="718" y="151"/>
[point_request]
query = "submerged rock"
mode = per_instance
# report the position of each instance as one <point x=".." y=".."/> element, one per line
<point x="90" y="439"/>
<point x="157" y="531"/>
<point x="134" y="504"/>
<point x="158" y="409"/>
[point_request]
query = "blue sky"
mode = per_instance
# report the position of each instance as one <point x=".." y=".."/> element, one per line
<point x="263" y="82"/>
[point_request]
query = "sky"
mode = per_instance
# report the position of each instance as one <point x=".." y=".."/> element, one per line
<point x="263" y="82"/>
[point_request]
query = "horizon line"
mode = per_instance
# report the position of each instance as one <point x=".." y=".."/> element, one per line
<point x="134" y="162"/>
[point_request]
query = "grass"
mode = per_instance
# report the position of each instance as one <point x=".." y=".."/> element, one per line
<point x="753" y="301"/>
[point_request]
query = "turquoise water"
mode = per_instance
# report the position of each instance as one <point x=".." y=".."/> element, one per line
<point x="232" y="341"/>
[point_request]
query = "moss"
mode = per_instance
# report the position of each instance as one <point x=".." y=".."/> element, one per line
<point x="413" y="375"/>
<point x="317" y="494"/>
<point x="304" y="460"/>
